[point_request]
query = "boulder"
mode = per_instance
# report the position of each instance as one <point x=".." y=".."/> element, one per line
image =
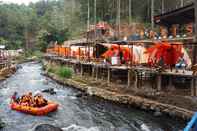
<point x="50" y="91"/>
<point x="2" y="124"/>
<point x="47" y="127"/>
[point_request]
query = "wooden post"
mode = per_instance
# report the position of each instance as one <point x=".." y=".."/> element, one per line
<point x="192" y="88"/>
<point x="108" y="75"/>
<point x="170" y="82"/>
<point x="97" y="72"/>
<point x="74" y="68"/>
<point x="129" y="78"/>
<point x="93" y="70"/>
<point x="195" y="87"/>
<point x="136" y="80"/>
<point x="81" y="69"/>
<point x="159" y="82"/>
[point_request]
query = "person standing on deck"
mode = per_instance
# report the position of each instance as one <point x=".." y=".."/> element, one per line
<point x="181" y="63"/>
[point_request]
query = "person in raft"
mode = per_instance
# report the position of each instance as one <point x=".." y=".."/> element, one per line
<point x="40" y="101"/>
<point x="15" y="97"/>
<point x="28" y="100"/>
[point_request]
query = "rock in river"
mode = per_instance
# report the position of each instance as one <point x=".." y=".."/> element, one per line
<point x="50" y="91"/>
<point x="47" y="127"/>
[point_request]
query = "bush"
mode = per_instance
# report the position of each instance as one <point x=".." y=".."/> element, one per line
<point x="65" y="72"/>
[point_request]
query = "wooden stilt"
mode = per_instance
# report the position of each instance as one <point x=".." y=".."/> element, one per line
<point x="136" y="80"/>
<point x="74" y="68"/>
<point x="192" y="87"/>
<point x="170" y="82"/>
<point x="97" y="72"/>
<point x="81" y="69"/>
<point x="108" y="75"/>
<point x="159" y="82"/>
<point x="129" y="78"/>
<point x="93" y="70"/>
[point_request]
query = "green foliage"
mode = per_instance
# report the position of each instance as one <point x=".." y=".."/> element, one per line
<point x="34" y="26"/>
<point x="61" y="71"/>
<point x="65" y="72"/>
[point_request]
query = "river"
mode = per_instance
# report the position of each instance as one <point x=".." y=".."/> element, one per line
<point x="74" y="114"/>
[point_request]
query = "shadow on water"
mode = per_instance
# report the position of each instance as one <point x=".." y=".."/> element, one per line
<point x="75" y="113"/>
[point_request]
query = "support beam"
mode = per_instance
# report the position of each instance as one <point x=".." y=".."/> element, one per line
<point x="136" y="80"/>
<point x="81" y="69"/>
<point x="108" y="75"/>
<point x="159" y="82"/>
<point x="192" y="88"/>
<point x="97" y="72"/>
<point x="93" y="70"/>
<point x="170" y="85"/>
<point x="129" y="78"/>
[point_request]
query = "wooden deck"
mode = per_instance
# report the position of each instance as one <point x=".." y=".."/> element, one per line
<point x="94" y="71"/>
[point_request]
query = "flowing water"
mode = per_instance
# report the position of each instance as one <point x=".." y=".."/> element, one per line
<point x="74" y="114"/>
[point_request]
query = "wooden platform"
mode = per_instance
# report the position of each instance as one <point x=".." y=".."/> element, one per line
<point x="94" y="67"/>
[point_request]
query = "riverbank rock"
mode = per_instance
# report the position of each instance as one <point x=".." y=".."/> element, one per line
<point x="8" y="71"/>
<point x="47" y="127"/>
<point x="157" y="113"/>
<point x="50" y="91"/>
<point x="2" y="124"/>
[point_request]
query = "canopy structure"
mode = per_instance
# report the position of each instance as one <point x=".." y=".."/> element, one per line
<point x="182" y="15"/>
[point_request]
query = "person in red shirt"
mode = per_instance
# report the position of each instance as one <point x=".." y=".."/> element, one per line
<point x="15" y="97"/>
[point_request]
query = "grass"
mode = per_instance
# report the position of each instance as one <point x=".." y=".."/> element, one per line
<point x="61" y="71"/>
<point x="64" y="72"/>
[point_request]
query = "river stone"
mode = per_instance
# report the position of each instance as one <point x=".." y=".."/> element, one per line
<point x="157" y="113"/>
<point x="50" y="91"/>
<point x="2" y="124"/>
<point x="47" y="127"/>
